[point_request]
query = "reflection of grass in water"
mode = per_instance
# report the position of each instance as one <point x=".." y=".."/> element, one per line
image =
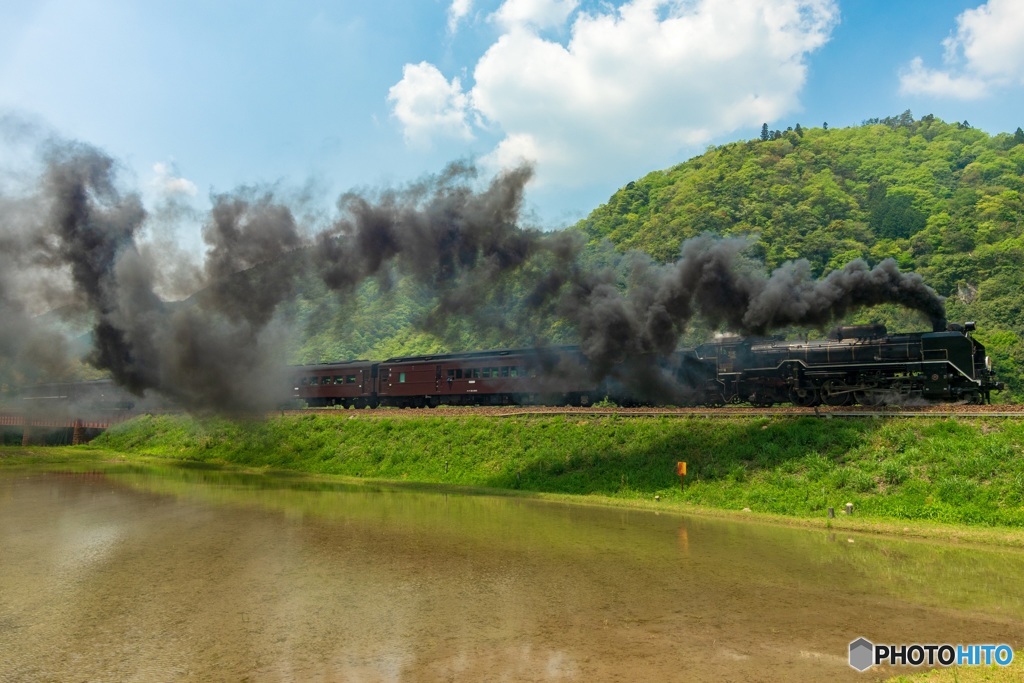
<point x="923" y="469"/>
<point x="960" y="472"/>
<point x="933" y="575"/>
<point x="198" y="465"/>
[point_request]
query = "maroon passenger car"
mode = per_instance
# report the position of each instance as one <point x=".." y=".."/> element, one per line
<point x="507" y="377"/>
<point x="351" y="383"/>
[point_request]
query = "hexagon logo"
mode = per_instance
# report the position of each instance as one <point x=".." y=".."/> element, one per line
<point x="862" y="654"/>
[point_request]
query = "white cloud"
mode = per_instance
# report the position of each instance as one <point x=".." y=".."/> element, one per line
<point x="917" y="79"/>
<point x="630" y="86"/>
<point x="168" y="183"/>
<point x="984" y="53"/>
<point x="539" y="14"/>
<point x="515" y="150"/>
<point x="427" y="105"/>
<point x="456" y="12"/>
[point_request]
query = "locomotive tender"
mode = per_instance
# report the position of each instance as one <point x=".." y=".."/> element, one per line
<point x="855" y="364"/>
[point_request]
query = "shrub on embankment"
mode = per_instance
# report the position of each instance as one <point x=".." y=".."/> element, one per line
<point x="953" y="471"/>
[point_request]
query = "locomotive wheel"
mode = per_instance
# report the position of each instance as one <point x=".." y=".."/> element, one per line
<point x="901" y="392"/>
<point x="714" y="400"/>
<point x="805" y="397"/>
<point x="869" y="398"/>
<point x="835" y="393"/>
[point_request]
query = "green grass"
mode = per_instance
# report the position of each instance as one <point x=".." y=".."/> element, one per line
<point x="965" y="472"/>
<point x="967" y="674"/>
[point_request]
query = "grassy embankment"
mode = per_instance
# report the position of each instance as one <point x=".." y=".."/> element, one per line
<point x="968" y="674"/>
<point x="922" y="472"/>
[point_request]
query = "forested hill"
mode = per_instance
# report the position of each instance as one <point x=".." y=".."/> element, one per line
<point x="943" y="199"/>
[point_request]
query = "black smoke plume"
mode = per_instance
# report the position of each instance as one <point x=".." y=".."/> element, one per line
<point x="713" y="279"/>
<point x="632" y="327"/>
<point x="222" y="350"/>
<point x="216" y="353"/>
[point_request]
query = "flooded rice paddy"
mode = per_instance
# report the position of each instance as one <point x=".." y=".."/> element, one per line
<point x="182" y="574"/>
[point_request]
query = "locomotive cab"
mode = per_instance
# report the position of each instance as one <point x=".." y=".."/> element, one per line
<point x="953" y="347"/>
<point x="969" y="371"/>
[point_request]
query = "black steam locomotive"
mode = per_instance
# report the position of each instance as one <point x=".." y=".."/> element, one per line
<point x="856" y="364"/>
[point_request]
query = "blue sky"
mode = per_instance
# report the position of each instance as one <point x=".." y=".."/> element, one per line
<point x="199" y="97"/>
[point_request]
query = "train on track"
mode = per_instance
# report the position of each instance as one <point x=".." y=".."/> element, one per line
<point x="860" y="364"/>
<point x="86" y="399"/>
<point x="854" y="365"/>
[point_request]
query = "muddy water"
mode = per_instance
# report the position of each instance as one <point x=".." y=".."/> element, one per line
<point x="146" y="575"/>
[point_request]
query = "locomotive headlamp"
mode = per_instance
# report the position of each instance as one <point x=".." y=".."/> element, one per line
<point x="969" y="327"/>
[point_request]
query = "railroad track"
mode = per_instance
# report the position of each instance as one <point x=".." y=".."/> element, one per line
<point x="937" y="411"/>
<point x="940" y="411"/>
<point x="768" y="413"/>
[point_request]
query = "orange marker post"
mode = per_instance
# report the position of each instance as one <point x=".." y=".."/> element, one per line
<point x="681" y="471"/>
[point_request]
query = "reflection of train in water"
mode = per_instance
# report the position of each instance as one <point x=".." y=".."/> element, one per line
<point x="856" y="364"/>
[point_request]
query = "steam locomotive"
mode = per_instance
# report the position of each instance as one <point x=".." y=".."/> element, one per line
<point x="855" y="364"/>
<point x="860" y="364"/>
